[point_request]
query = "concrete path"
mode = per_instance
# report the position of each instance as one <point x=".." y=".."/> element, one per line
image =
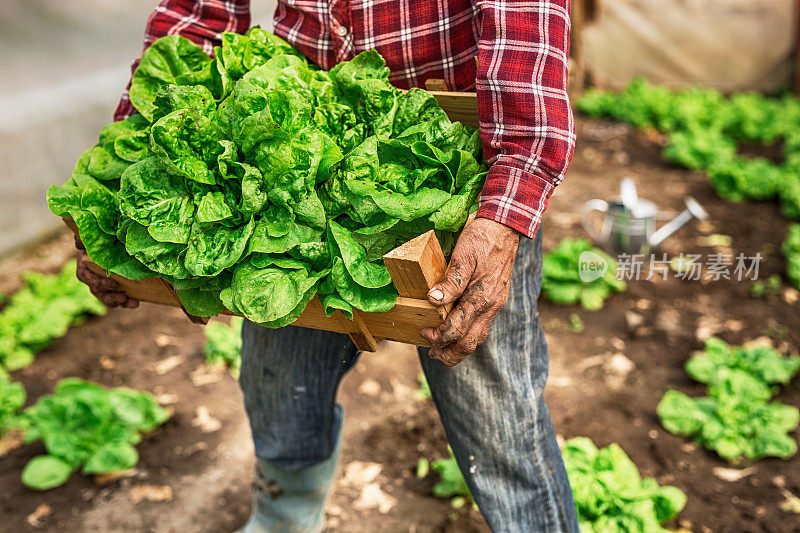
<point x="64" y="66"/>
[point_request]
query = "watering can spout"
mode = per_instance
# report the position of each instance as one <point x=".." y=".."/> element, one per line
<point x="693" y="210"/>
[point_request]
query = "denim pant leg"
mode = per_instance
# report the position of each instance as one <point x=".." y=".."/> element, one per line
<point x="496" y="419"/>
<point x="289" y="379"/>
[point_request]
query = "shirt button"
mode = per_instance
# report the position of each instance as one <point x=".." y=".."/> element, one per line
<point x="341" y="31"/>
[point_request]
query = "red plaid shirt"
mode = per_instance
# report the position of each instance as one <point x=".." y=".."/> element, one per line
<point x="521" y="74"/>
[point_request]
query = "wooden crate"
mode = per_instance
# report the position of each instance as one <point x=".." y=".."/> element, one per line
<point x="414" y="267"/>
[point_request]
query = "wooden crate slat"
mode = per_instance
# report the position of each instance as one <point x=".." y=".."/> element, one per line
<point x="404" y="321"/>
<point x="314" y="317"/>
<point x="462" y="107"/>
<point x="153" y="290"/>
<point x="363" y="339"/>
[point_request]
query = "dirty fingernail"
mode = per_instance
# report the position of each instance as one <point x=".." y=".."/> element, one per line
<point x="436" y="294"/>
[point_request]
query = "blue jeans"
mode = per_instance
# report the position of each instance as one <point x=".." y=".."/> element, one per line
<point x="491" y="406"/>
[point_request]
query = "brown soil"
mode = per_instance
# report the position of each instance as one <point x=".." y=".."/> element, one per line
<point x="210" y="474"/>
<point x="676" y="315"/>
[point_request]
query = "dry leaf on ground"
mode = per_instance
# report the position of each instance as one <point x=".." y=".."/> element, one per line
<point x="369" y="387"/>
<point x="732" y="474"/>
<point x="791" y="503"/>
<point x="167" y="364"/>
<point x="150" y="493"/>
<point x="166" y="340"/>
<point x="358" y="473"/>
<point x="373" y="498"/>
<point x="207" y="374"/>
<point x="204" y="420"/>
<point x="166" y="398"/>
<point x="35" y="518"/>
<point x="105" y="479"/>
<point x="10" y="441"/>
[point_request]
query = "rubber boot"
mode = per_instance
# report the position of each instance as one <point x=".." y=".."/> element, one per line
<point x="292" y="502"/>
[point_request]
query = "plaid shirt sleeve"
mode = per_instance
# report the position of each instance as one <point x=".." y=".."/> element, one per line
<point x="200" y="21"/>
<point x="526" y="123"/>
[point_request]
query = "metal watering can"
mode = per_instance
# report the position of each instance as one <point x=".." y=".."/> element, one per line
<point x="628" y="225"/>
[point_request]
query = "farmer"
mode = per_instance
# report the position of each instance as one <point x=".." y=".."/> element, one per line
<point x="488" y="366"/>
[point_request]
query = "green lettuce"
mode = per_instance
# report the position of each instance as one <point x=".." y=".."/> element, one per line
<point x="452" y="483"/>
<point x="562" y="282"/>
<point x="705" y="131"/>
<point x="608" y="490"/>
<point x="791" y="249"/>
<point x="610" y="494"/>
<point x="12" y="398"/>
<point x="736" y="419"/>
<point x="83" y="425"/>
<point x="762" y="362"/>
<point x="253" y="181"/>
<point x="42" y="311"/>
<point x="224" y="344"/>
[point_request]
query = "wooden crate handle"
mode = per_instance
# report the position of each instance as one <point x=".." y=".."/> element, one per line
<point x="436" y="84"/>
<point x="416" y="265"/>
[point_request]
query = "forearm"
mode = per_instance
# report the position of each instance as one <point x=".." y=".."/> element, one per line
<point x="200" y="21"/>
<point x="526" y="126"/>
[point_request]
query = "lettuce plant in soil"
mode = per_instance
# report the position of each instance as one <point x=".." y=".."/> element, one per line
<point x="41" y="311"/>
<point x="224" y="344"/>
<point x="253" y="181"/>
<point x="762" y="362"/>
<point x="12" y="398"/>
<point x="451" y="483"/>
<point x="736" y="419"/>
<point x="561" y="277"/>
<point x="610" y="494"/>
<point x="88" y="427"/>
<point x="791" y="250"/>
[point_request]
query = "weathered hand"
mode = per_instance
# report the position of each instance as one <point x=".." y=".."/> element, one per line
<point x="479" y="276"/>
<point x="101" y="286"/>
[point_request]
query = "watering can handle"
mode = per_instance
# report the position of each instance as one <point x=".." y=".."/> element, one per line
<point x="590" y="206"/>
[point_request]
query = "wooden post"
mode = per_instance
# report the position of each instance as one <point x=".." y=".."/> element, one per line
<point x="436" y="84"/>
<point x="797" y="50"/>
<point x="577" y="75"/>
<point x="416" y="266"/>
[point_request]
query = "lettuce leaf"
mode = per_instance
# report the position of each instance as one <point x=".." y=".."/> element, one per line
<point x="762" y="362"/>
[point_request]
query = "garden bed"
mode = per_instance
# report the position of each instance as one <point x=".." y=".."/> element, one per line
<point x="591" y="392"/>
